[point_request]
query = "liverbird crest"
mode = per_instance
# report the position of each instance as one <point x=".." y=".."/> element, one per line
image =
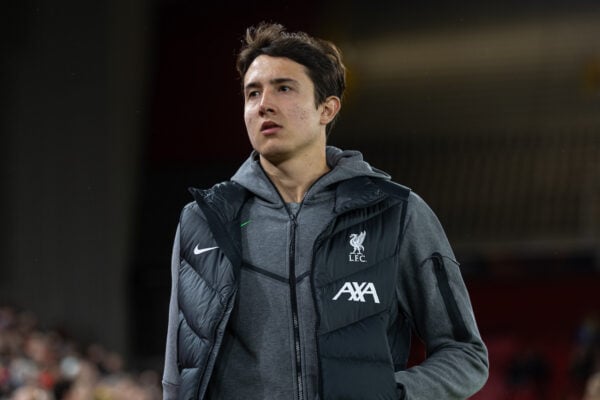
<point x="356" y="241"/>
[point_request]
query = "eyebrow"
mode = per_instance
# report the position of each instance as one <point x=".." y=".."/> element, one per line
<point x="276" y="81"/>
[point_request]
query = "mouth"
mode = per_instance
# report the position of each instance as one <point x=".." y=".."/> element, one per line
<point x="269" y="128"/>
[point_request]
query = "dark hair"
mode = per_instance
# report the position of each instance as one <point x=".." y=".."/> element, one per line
<point x="322" y="59"/>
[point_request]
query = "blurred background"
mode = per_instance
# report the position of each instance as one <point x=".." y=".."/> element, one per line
<point x="110" y="110"/>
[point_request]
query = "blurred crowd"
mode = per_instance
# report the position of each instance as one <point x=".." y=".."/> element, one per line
<point x="524" y="368"/>
<point x="37" y="364"/>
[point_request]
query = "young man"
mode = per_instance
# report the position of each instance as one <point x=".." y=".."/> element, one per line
<point x="302" y="277"/>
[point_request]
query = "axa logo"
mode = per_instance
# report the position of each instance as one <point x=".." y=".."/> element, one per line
<point x="358" y="291"/>
<point x="358" y="250"/>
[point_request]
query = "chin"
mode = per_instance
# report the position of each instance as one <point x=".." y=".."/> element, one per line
<point x="274" y="156"/>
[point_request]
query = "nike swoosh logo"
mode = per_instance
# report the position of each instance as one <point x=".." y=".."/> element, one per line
<point x="200" y="251"/>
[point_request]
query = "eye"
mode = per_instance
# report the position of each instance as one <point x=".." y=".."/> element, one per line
<point x="284" y="88"/>
<point x="252" y="94"/>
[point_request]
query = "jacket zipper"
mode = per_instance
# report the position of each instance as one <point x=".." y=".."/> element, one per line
<point x="459" y="328"/>
<point x="292" y="279"/>
<point x="294" y="304"/>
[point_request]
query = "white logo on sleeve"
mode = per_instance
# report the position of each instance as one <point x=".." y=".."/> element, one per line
<point x="358" y="291"/>
<point x="356" y="241"/>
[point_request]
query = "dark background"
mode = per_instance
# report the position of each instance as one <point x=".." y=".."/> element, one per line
<point x="110" y="110"/>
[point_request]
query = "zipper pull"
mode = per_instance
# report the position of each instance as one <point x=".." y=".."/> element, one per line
<point x="292" y="217"/>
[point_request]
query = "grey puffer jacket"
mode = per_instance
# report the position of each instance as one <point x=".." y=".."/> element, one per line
<point x="377" y="266"/>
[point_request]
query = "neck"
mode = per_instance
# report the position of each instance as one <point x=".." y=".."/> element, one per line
<point x="293" y="177"/>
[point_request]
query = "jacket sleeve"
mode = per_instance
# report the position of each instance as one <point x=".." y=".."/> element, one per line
<point x="171" y="376"/>
<point x="433" y="296"/>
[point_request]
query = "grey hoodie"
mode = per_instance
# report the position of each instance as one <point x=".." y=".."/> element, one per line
<point x="259" y="359"/>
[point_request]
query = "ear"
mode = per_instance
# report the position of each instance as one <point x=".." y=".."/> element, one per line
<point x="330" y="107"/>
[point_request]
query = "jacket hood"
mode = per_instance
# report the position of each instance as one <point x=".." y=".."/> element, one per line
<point x="344" y="164"/>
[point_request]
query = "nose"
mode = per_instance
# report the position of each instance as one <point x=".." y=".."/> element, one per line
<point x="266" y="105"/>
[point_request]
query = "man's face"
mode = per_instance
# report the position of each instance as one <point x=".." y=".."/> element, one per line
<point x="281" y="117"/>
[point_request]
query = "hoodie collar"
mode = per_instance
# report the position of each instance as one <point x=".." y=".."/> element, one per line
<point x="344" y="164"/>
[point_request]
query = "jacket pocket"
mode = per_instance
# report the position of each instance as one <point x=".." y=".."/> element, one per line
<point x="459" y="329"/>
